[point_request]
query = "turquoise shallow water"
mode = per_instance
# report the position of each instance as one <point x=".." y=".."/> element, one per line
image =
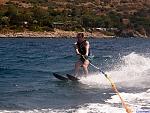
<point x="27" y="83"/>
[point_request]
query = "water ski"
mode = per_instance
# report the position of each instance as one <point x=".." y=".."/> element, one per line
<point x="72" y="78"/>
<point x="60" y="77"/>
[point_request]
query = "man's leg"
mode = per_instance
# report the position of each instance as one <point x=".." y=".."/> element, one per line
<point x="85" y="66"/>
<point x="77" y="68"/>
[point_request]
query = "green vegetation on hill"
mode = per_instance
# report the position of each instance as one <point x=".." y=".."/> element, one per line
<point x="74" y="15"/>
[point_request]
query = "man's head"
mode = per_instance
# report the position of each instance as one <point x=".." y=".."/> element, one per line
<point x="80" y="36"/>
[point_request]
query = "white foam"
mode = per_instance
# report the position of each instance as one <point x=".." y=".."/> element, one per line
<point x="134" y="64"/>
<point x="136" y="100"/>
<point x="86" y="108"/>
<point x="132" y="71"/>
<point x="99" y="108"/>
<point x="95" y="80"/>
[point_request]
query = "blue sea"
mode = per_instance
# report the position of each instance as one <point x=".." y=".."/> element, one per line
<point x="27" y="84"/>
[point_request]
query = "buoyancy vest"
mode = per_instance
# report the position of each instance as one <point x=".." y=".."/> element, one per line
<point x="82" y="47"/>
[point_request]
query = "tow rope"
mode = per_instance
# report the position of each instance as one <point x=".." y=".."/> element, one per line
<point x="126" y="106"/>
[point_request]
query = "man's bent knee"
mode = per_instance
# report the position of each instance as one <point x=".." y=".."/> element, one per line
<point x="85" y="65"/>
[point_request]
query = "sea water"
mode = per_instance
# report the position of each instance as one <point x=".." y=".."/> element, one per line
<point x="27" y="84"/>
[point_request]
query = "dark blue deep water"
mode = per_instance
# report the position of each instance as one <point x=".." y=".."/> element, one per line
<point x="27" y="83"/>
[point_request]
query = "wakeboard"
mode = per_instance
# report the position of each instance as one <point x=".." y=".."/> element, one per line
<point x="60" y="77"/>
<point x="72" y="78"/>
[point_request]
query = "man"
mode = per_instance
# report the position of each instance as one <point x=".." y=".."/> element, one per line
<point x="82" y="49"/>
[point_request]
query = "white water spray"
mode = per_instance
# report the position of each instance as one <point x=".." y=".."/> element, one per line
<point x="133" y="71"/>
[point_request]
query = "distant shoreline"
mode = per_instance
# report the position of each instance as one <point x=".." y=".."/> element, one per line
<point x="64" y="34"/>
<point x="55" y="34"/>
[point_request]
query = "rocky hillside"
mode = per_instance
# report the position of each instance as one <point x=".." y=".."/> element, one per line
<point x="121" y="6"/>
<point x="126" y="15"/>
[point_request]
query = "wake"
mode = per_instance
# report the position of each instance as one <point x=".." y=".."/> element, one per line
<point x="132" y="71"/>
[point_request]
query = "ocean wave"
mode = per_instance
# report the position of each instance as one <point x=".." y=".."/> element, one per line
<point x="14" y="70"/>
<point x="131" y="72"/>
<point x="135" y="100"/>
<point x="85" y="108"/>
<point x="62" y="57"/>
